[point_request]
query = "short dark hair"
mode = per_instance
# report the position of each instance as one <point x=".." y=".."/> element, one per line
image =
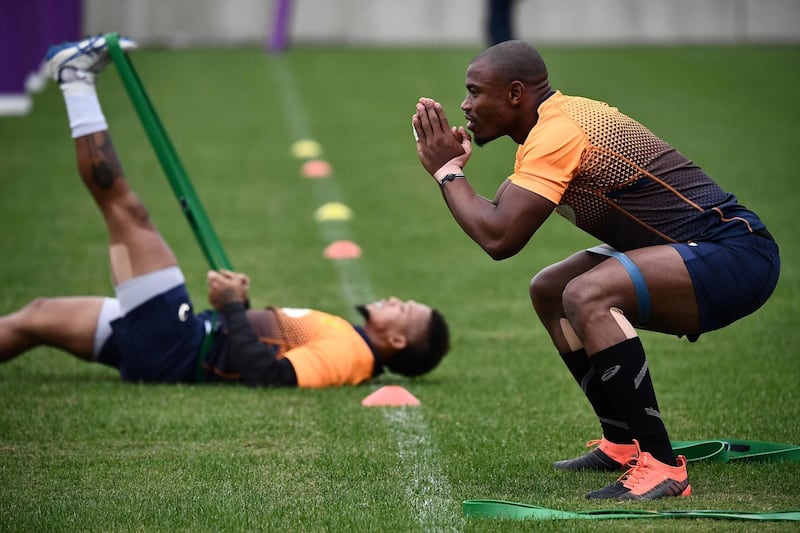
<point x="516" y="60"/>
<point x="415" y="360"/>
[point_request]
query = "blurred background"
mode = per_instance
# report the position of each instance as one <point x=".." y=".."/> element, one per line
<point x="454" y="22"/>
<point x="28" y="28"/>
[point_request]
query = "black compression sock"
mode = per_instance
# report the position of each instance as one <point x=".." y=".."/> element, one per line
<point x="612" y="422"/>
<point x="622" y="370"/>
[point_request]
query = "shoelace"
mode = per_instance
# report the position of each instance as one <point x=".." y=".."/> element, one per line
<point x="595" y="442"/>
<point x="637" y="470"/>
<point x="92" y="47"/>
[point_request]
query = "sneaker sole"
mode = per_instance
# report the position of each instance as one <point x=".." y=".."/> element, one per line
<point x="661" y="492"/>
<point x="618" y="492"/>
<point x="596" y="460"/>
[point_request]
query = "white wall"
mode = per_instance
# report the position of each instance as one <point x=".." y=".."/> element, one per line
<point x="449" y="22"/>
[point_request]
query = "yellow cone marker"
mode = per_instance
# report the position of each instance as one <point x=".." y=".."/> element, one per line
<point x="306" y="149"/>
<point x="333" y="211"/>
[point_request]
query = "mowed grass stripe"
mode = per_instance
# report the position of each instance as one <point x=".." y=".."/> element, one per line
<point x="427" y="488"/>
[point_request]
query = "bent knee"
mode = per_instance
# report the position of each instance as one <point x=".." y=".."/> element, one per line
<point x="582" y="297"/>
<point x="545" y="290"/>
<point x="28" y="316"/>
<point x="35" y="306"/>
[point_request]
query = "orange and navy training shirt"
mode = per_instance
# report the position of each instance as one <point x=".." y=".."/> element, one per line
<point x="324" y="350"/>
<point x="613" y="178"/>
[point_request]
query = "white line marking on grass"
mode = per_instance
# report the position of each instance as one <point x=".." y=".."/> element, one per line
<point x="427" y="488"/>
<point x="353" y="280"/>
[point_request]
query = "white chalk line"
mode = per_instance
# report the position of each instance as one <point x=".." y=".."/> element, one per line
<point x="427" y="489"/>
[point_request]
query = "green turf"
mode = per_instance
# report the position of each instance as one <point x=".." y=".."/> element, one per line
<point x="81" y="451"/>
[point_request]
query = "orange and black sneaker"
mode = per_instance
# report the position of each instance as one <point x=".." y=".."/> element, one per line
<point x="606" y="457"/>
<point x="647" y="479"/>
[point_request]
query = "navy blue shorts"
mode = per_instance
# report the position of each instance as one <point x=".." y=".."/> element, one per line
<point x="160" y="340"/>
<point x="732" y="278"/>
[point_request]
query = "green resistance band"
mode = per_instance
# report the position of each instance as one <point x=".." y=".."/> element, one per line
<point x="521" y="511"/>
<point x="719" y="451"/>
<point x="733" y="450"/>
<point x="168" y="157"/>
<point x="176" y="174"/>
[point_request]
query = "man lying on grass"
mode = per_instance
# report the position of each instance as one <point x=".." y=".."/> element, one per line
<point x="150" y="331"/>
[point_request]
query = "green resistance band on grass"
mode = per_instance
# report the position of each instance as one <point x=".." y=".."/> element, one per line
<point x="719" y="451"/>
<point x="168" y="157"/>
<point x="521" y="511"/>
<point x="733" y="450"/>
<point x="176" y="174"/>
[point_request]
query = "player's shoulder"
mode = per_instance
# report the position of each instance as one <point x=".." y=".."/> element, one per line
<point x="570" y="104"/>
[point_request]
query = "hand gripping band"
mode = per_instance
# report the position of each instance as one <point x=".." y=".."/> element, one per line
<point x="177" y="176"/>
<point x="639" y="285"/>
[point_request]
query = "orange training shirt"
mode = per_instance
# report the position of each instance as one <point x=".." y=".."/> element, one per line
<point x="325" y="350"/>
<point x="615" y="179"/>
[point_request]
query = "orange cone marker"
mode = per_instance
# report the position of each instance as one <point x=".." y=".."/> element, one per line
<point x="316" y="168"/>
<point x="390" y="396"/>
<point x="342" y="250"/>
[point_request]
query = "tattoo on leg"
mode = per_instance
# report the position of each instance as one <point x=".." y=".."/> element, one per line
<point x="104" y="163"/>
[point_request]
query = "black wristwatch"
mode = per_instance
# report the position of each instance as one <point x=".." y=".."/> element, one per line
<point x="450" y="177"/>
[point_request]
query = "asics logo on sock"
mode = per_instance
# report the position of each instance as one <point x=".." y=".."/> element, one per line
<point x="610" y="373"/>
<point x="183" y="312"/>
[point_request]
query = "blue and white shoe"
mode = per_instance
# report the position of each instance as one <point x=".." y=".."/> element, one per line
<point x="81" y="60"/>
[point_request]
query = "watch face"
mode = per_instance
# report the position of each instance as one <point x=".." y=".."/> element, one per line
<point x="450" y="177"/>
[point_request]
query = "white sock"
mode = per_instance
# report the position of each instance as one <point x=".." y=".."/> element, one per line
<point x="83" y="108"/>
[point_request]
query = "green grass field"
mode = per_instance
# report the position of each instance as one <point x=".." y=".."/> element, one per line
<point x="81" y="451"/>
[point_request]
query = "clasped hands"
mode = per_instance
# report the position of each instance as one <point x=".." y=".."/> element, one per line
<point x="442" y="149"/>
<point x="225" y="287"/>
